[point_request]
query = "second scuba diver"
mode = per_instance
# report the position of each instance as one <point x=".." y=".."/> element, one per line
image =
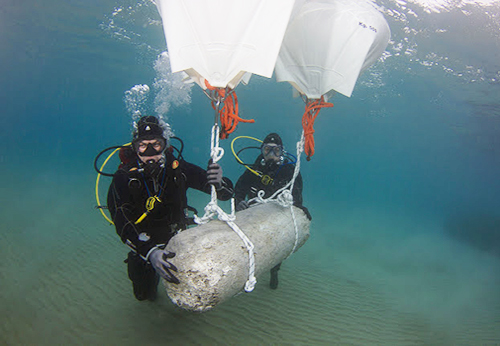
<point x="271" y="171"/>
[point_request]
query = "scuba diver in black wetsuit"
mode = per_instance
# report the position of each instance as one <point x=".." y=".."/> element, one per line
<point x="271" y="171"/>
<point x="148" y="204"/>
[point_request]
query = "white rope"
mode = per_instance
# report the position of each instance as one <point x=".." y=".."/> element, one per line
<point x="212" y="209"/>
<point x="216" y="152"/>
<point x="284" y="195"/>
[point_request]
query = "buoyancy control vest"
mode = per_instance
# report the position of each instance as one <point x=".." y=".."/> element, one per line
<point x="167" y="191"/>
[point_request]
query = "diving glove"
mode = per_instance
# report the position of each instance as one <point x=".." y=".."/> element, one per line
<point x="242" y="205"/>
<point x="159" y="260"/>
<point x="214" y="175"/>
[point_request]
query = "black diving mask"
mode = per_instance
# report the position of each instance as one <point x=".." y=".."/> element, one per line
<point x="276" y="150"/>
<point x="150" y="149"/>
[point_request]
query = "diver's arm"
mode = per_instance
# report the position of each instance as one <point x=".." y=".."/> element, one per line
<point x="297" y="196"/>
<point x="196" y="178"/>
<point x="297" y="191"/>
<point x="124" y="215"/>
<point x="243" y="186"/>
<point x="226" y="191"/>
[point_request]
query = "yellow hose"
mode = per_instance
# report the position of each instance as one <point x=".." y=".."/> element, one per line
<point x="238" y="159"/>
<point x="97" y="183"/>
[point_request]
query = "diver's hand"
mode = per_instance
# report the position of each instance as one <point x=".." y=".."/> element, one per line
<point x="242" y="205"/>
<point x="214" y="175"/>
<point x="159" y="260"/>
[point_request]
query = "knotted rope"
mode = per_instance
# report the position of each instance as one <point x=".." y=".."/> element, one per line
<point x="284" y="195"/>
<point x="311" y="112"/>
<point x="228" y="112"/>
<point x="212" y="209"/>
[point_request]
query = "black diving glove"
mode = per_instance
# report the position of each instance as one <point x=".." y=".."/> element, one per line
<point x="306" y="211"/>
<point x="159" y="260"/>
<point x="242" y="205"/>
<point x="214" y="175"/>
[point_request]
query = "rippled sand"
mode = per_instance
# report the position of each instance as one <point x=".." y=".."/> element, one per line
<point x="64" y="282"/>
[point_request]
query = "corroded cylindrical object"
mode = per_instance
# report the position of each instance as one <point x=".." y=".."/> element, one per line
<point x="213" y="262"/>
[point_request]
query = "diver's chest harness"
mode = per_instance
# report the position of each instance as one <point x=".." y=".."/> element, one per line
<point x="169" y="178"/>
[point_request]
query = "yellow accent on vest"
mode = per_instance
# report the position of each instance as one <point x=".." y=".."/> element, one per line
<point x="150" y="205"/>
<point x="266" y="180"/>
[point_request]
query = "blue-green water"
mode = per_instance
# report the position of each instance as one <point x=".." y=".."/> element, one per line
<point x="403" y="188"/>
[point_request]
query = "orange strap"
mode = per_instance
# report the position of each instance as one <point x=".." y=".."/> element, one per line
<point x="312" y="110"/>
<point x="228" y="112"/>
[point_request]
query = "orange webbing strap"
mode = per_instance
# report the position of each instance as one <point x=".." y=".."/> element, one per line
<point x="228" y="112"/>
<point x="312" y="110"/>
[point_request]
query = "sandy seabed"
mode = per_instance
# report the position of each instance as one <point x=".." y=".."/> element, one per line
<point x="363" y="278"/>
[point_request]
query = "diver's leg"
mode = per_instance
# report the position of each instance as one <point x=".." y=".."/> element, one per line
<point x="274" y="277"/>
<point x="143" y="277"/>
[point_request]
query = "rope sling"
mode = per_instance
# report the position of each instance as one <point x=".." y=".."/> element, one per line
<point x="282" y="196"/>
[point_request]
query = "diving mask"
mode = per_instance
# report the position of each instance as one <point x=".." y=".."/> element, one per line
<point x="150" y="148"/>
<point x="276" y="150"/>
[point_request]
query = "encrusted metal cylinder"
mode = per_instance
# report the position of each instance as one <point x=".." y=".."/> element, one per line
<point x="213" y="262"/>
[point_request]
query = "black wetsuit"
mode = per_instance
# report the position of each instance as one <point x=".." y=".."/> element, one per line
<point x="130" y="189"/>
<point x="249" y="184"/>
